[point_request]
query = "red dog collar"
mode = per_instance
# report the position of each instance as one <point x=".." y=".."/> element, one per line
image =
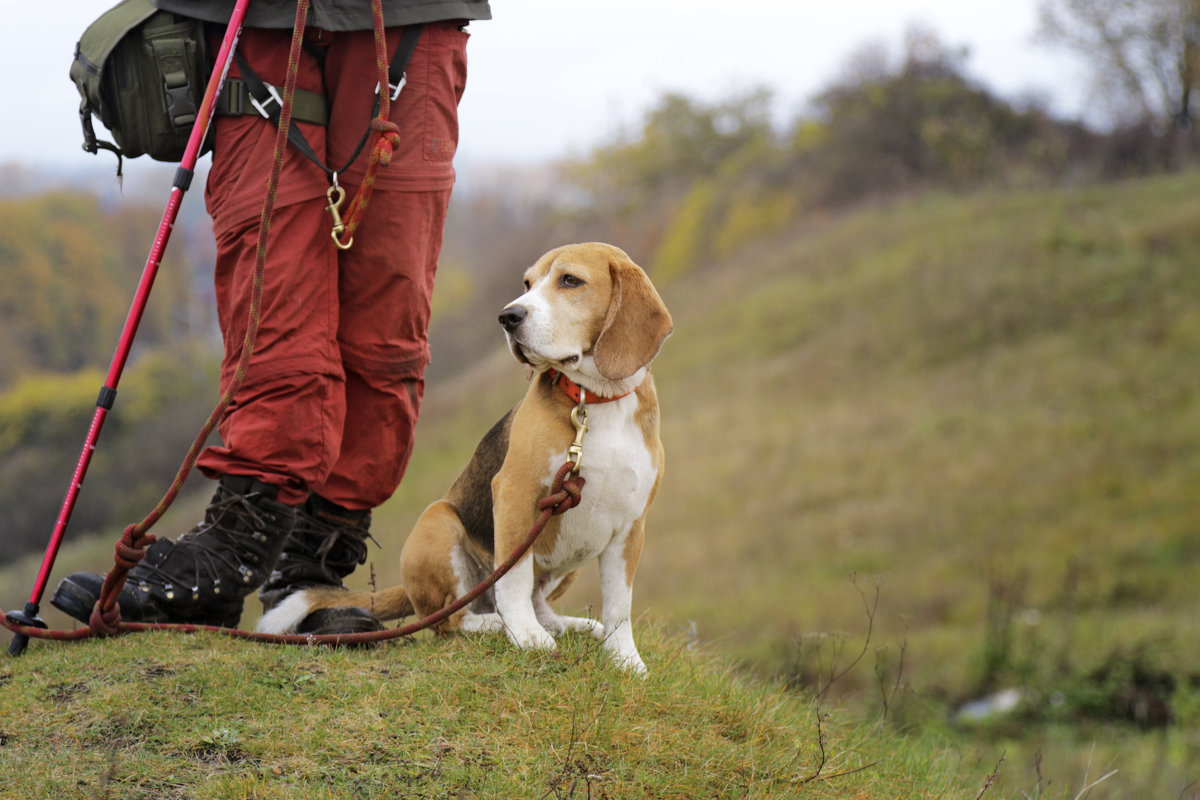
<point x="578" y="393"/>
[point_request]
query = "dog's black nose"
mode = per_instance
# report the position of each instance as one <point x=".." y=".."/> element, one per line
<point x="512" y="317"/>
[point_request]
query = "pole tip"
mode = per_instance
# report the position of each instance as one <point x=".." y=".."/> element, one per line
<point x="29" y="618"/>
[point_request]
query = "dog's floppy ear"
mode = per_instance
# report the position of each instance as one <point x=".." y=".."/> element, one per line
<point x="637" y="323"/>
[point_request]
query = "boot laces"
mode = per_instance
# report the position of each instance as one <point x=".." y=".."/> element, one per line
<point x="219" y="541"/>
<point x="336" y="548"/>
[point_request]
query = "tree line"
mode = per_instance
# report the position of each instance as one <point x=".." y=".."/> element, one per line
<point x="70" y="266"/>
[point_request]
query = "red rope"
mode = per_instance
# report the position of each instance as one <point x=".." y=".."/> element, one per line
<point x="565" y="493"/>
<point x="386" y="134"/>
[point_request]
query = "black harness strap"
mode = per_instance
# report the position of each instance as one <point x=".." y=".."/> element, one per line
<point x="269" y="102"/>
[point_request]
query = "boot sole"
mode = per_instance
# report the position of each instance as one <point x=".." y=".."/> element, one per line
<point x="339" y="620"/>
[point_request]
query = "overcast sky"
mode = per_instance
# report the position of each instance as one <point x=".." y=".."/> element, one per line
<point x="554" y="77"/>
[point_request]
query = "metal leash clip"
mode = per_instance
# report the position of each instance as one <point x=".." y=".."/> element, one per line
<point x="579" y="420"/>
<point x="336" y="195"/>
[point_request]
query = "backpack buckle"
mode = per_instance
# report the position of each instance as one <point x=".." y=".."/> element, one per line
<point x="180" y="107"/>
<point x="262" y="107"/>
<point x="89" y="133"/>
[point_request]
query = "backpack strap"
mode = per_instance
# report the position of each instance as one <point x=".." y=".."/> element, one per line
<point x="254" y="96"/>
<point x="91" y="144"/>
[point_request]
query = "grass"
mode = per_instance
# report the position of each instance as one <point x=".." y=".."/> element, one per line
<point x="162" y="716"/>
<point x="985" y="406"/>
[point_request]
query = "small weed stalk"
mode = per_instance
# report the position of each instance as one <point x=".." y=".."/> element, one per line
<point x="1088" y="786"/>
<point x="817" y="661"/>
<point x="871" y="607"/>
<point x="887" y="694"/>
<point x="991" y="778"/>
<point x="822" y="758"/>
<point x="819" y="774"/>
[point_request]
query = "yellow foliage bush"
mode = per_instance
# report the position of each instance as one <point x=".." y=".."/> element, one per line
<point x="751" y="215"/>
<point x="42" y="407"/>
<point x="452" y="291"/>
<point x="684" y="241"/>
<point x="48" y="408"/>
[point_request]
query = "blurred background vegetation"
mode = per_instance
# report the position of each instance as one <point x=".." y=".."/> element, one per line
<point x="931" y="409"/>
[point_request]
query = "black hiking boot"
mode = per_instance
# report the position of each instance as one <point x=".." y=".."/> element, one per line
<point x="202" y="577"/>
<point x="325" y="545"/>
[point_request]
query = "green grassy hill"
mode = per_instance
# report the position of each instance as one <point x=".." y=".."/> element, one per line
<point x="982" y="410"/>
<point x="174" y="716"/>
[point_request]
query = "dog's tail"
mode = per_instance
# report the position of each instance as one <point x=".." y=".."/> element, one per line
<point x="386" y="604"/>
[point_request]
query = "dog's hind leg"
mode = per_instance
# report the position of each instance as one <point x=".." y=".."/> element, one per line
<point x="436" y="569"/>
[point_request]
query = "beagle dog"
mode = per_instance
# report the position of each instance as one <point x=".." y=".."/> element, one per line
<point x="587" y="326"/>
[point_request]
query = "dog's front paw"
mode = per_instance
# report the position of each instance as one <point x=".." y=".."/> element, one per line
<point x="620" y="646"/>
<point x="531" y="637"/>
<point x="593" y="626"/>
<point x="632" y="663"/>
<point x="627" y="659"/>
<point x="559" y="625"/>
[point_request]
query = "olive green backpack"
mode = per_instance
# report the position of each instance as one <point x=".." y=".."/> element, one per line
<point x="142" y="72"/>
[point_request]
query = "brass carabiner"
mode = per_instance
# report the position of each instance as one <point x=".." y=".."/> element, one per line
<point x="579" y="420"/>
<point x="336" y="195"/>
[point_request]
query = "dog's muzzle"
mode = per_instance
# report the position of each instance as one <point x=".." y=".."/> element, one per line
<point x="512" y="317"/>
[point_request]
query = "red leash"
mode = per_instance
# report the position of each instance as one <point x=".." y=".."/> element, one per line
<point x="387" y="139"/>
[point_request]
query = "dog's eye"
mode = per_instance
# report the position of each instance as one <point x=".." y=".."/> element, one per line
<point x="526" y="284"/>
<point x="569" y="281"/>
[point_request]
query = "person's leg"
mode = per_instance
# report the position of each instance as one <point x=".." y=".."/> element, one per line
<point x="284" y="424"/>
<point x="385" y="281"/>
<point x="385" y="289"/>
<point x="385" y="286"/>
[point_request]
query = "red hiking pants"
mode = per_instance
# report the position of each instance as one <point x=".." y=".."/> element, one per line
<point x="330" y="401"/>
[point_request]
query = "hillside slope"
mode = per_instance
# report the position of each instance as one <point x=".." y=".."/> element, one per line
<point x="985" y="408"/>
<point x="960" y="392"/>
<point x="957" y="392"/>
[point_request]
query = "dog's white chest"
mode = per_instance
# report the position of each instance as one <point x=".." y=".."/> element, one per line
<point x="619" y="474"/>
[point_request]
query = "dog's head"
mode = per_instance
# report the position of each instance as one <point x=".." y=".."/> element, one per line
<point x="587" y="311"/>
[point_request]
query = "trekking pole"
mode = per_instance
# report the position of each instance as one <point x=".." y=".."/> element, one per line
<point x="108" y="392"/>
